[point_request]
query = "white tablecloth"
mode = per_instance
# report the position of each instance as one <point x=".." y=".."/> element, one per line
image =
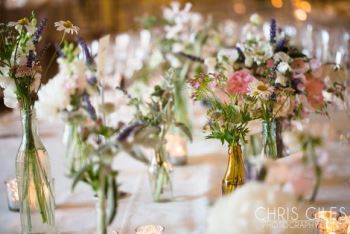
<point x="196" y="186"/>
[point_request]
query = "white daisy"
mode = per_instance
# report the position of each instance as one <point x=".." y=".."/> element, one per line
<point x="21" y="24"/>
<point x="66" y="26"/>
<point x="260" y="89"/>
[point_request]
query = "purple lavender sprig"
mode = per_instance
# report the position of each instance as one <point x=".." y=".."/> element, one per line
<point x="39" y="31"/>
<point x="88" y="106"/>
<point x="88" y="57"/>
<point x="92" y="80"/>
<point x="126" y="132"/>
<point x="280" y="45"/>
<point x="30" y="58"/>
<point x="273" y="30"/>
<point x="296" y="84"/>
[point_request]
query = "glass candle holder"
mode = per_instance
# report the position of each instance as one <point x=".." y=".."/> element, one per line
<point x="150" y="229"/>
<point x="12" y="194"/>
<point x="177" y="149"/>
<point x="331" y="222"/>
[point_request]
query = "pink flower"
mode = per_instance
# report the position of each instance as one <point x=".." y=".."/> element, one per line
<point x="316" y="68"/>
<point x="314" y="88"/>
<point x="270" y="63"/>
<point x="299" y="66"/>
<point x="221" y="95"/>
<point x="239" y="81"/>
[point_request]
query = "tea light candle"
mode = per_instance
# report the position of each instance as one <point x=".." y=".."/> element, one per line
<point x="177" y="149"/>
<point x="12" y="194"/>
<point x="331" y="222"/>
<point x="150" y="229"/>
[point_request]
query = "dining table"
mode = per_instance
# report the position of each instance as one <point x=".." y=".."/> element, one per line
<point x="196" y="185"/>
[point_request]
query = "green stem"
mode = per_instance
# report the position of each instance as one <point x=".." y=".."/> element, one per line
<point x="34" y="171"/>
<point x="54" y="55"/>
<point x="317" y="171"/>
<point x="101" y="212"/>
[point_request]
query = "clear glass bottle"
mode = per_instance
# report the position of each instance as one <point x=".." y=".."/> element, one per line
<point x="75" y="153"/>
<point x="235" y="172"/>
<point x="160" y="173"/>
<point x="272" y="139"/>
<point x="35" y="184"/>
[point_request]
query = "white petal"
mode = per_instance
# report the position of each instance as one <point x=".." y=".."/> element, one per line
<point x="10" y="98"/>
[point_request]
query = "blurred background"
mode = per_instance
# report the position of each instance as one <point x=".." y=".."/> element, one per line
<point x="99" y="17"/>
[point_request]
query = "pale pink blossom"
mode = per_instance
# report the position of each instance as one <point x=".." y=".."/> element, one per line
<point x="299" y="66"/>
<point x="314" y="88"/>
<point x="239" y="81"/>
<point x="270" y="63"/>
<point x="221" y="95"/>
<point x="316" y="68"/>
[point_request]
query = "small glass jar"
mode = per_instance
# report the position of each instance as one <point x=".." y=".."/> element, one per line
<point x="160" y="176"/>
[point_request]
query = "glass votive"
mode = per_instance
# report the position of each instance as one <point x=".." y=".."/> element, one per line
<point x="177" y="148"/>
<point x="150" y="229"/>
<point x="12" y="194"/>
<point x="331" y="222"/>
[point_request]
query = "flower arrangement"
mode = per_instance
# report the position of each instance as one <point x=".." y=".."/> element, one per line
<point x="101" y="147"/>
<point x="93" y="141"/>
<point x="76" y="82"/>
<point x="20" y="67"/>
<point x="269" y="77"/>
<point x="152" y="122"/>
<point x="20" y="77"/>
<point x="181" y="36"/>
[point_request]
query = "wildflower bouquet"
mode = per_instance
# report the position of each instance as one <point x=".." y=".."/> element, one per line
<point x="92" y="141"/>
<point x="20" y="77"/>
<point x="228" y="119"/>
<point x="181" y="36"/>
<point x="273" y="78"/>
<point x="152" y="122"/>
<point x="67" y="97"/>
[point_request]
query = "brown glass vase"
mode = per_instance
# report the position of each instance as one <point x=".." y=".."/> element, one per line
<point x="235" y="173"/>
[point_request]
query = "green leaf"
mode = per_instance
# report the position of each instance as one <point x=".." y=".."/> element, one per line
<point x="184" y="129"/>
<point x="80" y="175"/>
<point x="112" y="199"/>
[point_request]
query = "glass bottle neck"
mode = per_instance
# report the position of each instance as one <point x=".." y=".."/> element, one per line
<point x="269" y="126"/>
<point x="29" y="128"/>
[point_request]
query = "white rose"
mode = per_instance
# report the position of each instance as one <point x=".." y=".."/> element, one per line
<point x="50" y="105"/>
<point x="10" y="97"/>
<point x="281" y="56"/>
<point x="231" y="54"/>
<point x="6" y="81"/>
<point x="283" y="67"/>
